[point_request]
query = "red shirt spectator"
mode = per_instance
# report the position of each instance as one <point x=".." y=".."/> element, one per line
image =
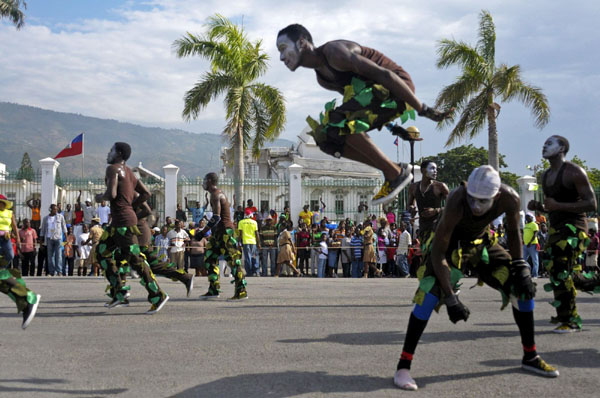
<point x="28" y="238"/>
<point x="78" y="217"/>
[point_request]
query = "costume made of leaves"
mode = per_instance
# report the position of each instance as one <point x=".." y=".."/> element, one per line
<point x="469" y="255"/>
<point x="564" y="248"/>
<point x="369" y="102"/>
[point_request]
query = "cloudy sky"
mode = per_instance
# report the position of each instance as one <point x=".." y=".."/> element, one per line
<point x="113" y="59"/>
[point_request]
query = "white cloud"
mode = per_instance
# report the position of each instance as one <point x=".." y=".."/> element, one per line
<point x="125" y="69"/>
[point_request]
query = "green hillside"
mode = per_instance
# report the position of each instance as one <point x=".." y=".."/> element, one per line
<point x="43" y="133"/>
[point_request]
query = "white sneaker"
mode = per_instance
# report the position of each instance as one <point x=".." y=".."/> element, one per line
<point x="403" y="380"/>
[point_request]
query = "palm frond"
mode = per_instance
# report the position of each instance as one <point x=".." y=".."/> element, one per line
<point x="260" y="119"/>
<point x="533" y="98"/>
<point x="451" y="52"/>
<point x="274" y="103"/>
<point x="472" y="119"/>
<point x="209" y="88"/>
<point x="458" y="93"/>
<point x="11" y="9"/>
<point x="487" y="38"/>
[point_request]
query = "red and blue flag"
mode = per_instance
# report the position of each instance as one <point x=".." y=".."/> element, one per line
<point x="73" y="149"/>
<point x="396" y="142"/>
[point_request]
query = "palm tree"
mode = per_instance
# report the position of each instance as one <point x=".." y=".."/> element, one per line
<point x="11" y="9"/>
<point x="473" y="93"/>
<point x="255" y="111"/>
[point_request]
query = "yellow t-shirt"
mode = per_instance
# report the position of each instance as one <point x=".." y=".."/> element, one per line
<point x="528" y="231"/>
<point x="248" y="227"/>
<point x="306" y="216"/>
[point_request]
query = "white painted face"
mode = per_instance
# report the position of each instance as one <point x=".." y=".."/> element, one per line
<point x="289" y="53"/>
<point x="479" y="206"/>
<point x="431" y="171"/>
<point x="112" y="155"/>
<point x="552" y="147"/>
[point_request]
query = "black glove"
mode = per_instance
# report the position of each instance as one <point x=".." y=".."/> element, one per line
<point x="456" y="310"/>
<point x="520" y="276"/>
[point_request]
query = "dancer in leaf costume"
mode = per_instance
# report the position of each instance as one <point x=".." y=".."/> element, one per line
<point x="118" y="246"/>
<point x="461" y="241"/>
<point x="376" y="91"/>
<point x="11" y="282"/>
<point x="222" y="242"/>
<point x="568" y="195"/>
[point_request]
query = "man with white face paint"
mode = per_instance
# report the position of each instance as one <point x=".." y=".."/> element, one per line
<point x="376" y="91"/>
<point x="462" y="241"/>
<point x="568" y="196"/>
<point x="428" y="193"/>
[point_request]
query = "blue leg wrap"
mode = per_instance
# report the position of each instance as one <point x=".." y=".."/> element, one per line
<point x="423" y="311"/>
<point x="526" y="306"/>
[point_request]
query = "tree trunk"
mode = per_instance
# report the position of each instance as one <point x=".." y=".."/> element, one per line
<point x="493" y="159"/>
<point x="238" y="168"/>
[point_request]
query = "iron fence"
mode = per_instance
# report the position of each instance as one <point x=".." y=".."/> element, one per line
<point x="19" y="189"/>
<point x="265" y="193"/>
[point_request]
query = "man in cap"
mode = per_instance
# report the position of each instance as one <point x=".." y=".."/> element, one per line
<point x="568" y="195"/>
<point x="462" y="242"/>
<point x="248" y="228"/>
<point x="376" y="91"/>
<point x="89" y="212"/>
<point x="11" y="282"/>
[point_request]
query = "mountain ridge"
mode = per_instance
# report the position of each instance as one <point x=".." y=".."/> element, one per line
<point x="43" y="133"/>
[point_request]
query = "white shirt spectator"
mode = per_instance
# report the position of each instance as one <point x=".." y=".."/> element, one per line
<point x="177" y="240"/>
<point x="404" y="242"/>
<point x="324" y="251"/>
<point x="84" y="250"/>
<point x="103" y="213"/>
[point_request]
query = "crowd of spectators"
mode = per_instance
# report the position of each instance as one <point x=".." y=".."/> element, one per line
<point x="62" y="242"/>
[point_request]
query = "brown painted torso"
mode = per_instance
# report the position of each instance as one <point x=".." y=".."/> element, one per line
<point x="561" y="193"/>
<point x="337" y="80"/>
<point x="425" y="200"/>
<point x="120" y="207"/>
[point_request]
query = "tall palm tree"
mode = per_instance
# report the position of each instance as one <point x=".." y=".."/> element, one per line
<point x="255" y="111"/>
<point x="473" y="93"/>
<point x="11" y="9"/>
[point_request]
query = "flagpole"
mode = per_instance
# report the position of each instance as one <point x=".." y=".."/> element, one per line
<point x="82" y="154"/>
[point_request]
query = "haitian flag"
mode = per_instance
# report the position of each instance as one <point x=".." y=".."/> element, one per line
<point x="73" y="149"/>
<point x="396" y="142"/>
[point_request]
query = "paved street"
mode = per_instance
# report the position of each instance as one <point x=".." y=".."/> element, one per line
<point x="293" y="338"/>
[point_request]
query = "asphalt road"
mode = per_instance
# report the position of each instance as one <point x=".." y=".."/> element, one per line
<point x="294" y="337"/>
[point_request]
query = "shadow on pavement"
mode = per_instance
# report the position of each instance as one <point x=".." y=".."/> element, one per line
<point x="577" y="358"/>
<point x="321" y="306"/>
<point x="424" y="381"/>
<point x="41" y="382"/>
<point x="397" y="338"/>
<point x="286" y="384"/>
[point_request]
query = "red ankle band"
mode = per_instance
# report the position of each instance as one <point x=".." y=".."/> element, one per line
<point x="529" y="349"/>
<point x="406" y="356"/>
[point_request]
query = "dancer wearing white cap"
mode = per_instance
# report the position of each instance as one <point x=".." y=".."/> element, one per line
<point x="461" y="241"/>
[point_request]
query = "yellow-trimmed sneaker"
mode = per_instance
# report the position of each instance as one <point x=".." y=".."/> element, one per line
<point x="567" y="328"/>
<point x="539" y="366"/>
<point x="390" y="189"/>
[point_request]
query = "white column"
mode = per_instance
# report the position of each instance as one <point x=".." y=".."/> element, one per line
<point x="527" y="185"/>
<point x="49" y="191"/>
<point x="295" y="181"/>
<point x="171" y="172"/>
